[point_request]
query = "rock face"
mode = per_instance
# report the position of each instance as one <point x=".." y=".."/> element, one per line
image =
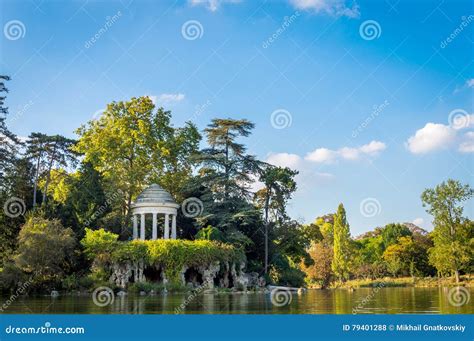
<point x="209" y="273"/>
<point x="224" y="275"/>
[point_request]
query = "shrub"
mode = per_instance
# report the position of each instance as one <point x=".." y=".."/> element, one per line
<point x="172" y="254"/>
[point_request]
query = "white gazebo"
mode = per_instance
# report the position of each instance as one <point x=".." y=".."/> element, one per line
<point x="154" y="200"/>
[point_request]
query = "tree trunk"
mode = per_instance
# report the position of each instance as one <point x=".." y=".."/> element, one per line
<point x="456" y="274"/>
<point x="35" y="188"/>
<point x="48" y="176"/>
<point x="267" y="200"/>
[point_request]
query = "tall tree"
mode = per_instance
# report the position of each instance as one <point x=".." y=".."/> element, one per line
<point x="453" y="233"/>
<point x="279" y="185"/>
<point x="8" y="141"/>
<point x="226" y="166"/>
<point x="132" y="145"/>
<point x="48" y="152"/>
<point x="342" y="243"/>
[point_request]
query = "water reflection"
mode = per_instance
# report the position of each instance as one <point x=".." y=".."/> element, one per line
<point x="362" y="301"/>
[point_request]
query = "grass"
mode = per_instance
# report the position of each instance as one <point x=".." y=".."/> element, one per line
<point x="419" y="282"/>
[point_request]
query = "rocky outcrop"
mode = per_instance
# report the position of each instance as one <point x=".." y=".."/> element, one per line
<point x="223" y="275"/>
<point x="121" y="274"/>
<point x="209" y="274"/>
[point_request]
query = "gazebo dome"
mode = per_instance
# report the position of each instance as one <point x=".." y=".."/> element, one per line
<point x="155" y="194"/>
<point x="156" y="201"/>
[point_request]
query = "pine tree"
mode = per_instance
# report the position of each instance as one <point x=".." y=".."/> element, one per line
<point x="341" y="259"/>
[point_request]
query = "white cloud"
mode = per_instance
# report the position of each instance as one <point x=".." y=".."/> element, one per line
<point x="336" y="8"/>
<point x="431" y="137"/>
<point x="325" y="155"/>
<point x="373" y="148"/>
<point x="467" y="146"/>
<point x="418" y="222"/>
<point x="212" y="5"/>
<point x="292" y="161"/>
<point x="321" y="155"/>
<point x="167" y="98"/>
<point x="470" y="83"/>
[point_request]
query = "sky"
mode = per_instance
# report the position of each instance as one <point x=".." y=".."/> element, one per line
<point x="371" y="101"/>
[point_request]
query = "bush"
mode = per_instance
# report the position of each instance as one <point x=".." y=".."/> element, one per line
<point x="172" y="254"/>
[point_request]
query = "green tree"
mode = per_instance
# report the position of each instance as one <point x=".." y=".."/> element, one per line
<point x="132" y="145"/>
<point x="45" y="248"/>
<point x="342" y="242"/>
<point x="453" y="233"/>
<point x="48" y="152"/>
<point x="227" y="169"/>
<point x="279" y="186"/>
<point x="392" y="232"/>
<point x="9" y="142"/>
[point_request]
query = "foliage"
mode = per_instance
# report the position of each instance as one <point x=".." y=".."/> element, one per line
<point x="209" y="233"/>
<point x="342" y="253"/>
<point x="320" y="271"/>
<point x="172" y="254"/>
<point x="45" y="248"/>
<point x="133" y="145"/>
<point x="452" y="236"/>
<point x="392" y="232"/>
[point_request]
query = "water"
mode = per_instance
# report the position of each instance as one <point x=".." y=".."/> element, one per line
<point x="341" y="301"/>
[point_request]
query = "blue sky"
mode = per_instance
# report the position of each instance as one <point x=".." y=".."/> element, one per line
<point x="370" y="100"/>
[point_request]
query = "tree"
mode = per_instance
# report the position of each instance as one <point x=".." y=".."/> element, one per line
<point x="226" y="168"/>
<point x="322" y="255"/>
<point x="132" y="145"/>
<point x="224" y="180"/>
<point x="8" y="141"/>
<point x="45" y="248"/>
<point x="279" y="185"/>
<point x="342" y="250"/>
<point x="392" y="232"/>
<point x="453" y="233"/>
<point x="48" y="152"/>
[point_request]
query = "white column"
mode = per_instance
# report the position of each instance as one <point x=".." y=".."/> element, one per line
<point x="154" y="233"/>
<point x="142" y="226"/>
<point x="173" y="226"/>
<point x="135" y="226"/>
<point x="167" y="226"/>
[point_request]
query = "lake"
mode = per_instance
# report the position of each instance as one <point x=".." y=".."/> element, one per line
<point x="340" y="301"/>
